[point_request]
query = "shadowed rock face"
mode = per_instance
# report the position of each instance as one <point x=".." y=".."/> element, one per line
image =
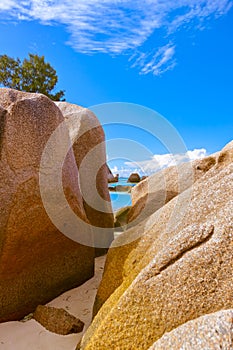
<point x="37" y="262"/>
<point x="214" y="331"/>
<point x="121" y="217"/>
<point x="90" y="155"/>
<point x="111" y="177"/>
<point x="171" y="268"/>
<point x="226" y="155"/>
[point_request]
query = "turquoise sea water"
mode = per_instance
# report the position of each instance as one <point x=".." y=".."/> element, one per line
<point x="120" y="199"/>
<point x="122" y="181"/>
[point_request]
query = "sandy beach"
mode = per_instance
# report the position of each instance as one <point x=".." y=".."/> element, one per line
<point x="31" y="335"/>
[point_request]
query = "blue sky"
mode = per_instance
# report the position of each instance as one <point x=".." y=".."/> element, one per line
<point x="175" y="57"/>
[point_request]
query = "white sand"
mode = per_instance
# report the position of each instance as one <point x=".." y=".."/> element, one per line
<point x="30" y="335"/>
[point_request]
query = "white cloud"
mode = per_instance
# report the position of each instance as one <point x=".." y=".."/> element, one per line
<point x="119" y="26"/>
<point x="197" y="154"/>
<point x="157" y="62"/>
<point x="158" y="162"/>
<point x="7" y="5"/>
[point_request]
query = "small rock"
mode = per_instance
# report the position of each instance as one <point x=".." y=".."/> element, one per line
<point x="122" y="188"/>
<point x="134" y="177"/>
<point x="57" y="320"/>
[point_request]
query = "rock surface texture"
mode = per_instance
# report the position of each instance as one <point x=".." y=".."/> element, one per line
<point x="38" y="262"/>
<point x="57" y="320"/>
<point x="173" y="267"/>
<point x="212" y="332"/>
<point x="89" y="150"/>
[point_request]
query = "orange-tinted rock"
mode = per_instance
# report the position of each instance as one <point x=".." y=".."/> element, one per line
<point x="37" y="262"/>
<point x="57" y="320"/>
<point x="148" y="196"/>
<point x="172" y="268"/>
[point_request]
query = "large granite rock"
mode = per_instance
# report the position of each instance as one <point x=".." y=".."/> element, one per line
<point x="37" y="262"/>
<point x="158" y="189"/>
<point x="173" y="267"/>
<point x="210" y="332"/>
<point x="90" y="154"/>
<point x="147" y="197"/>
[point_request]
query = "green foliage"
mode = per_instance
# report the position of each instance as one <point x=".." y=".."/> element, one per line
<point x="31" y="75"/>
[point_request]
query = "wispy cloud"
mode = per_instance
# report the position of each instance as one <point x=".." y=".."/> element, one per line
<point x="156" y="62"/>
<point x="120" y="26"/>
<point x="158" y="162"/>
